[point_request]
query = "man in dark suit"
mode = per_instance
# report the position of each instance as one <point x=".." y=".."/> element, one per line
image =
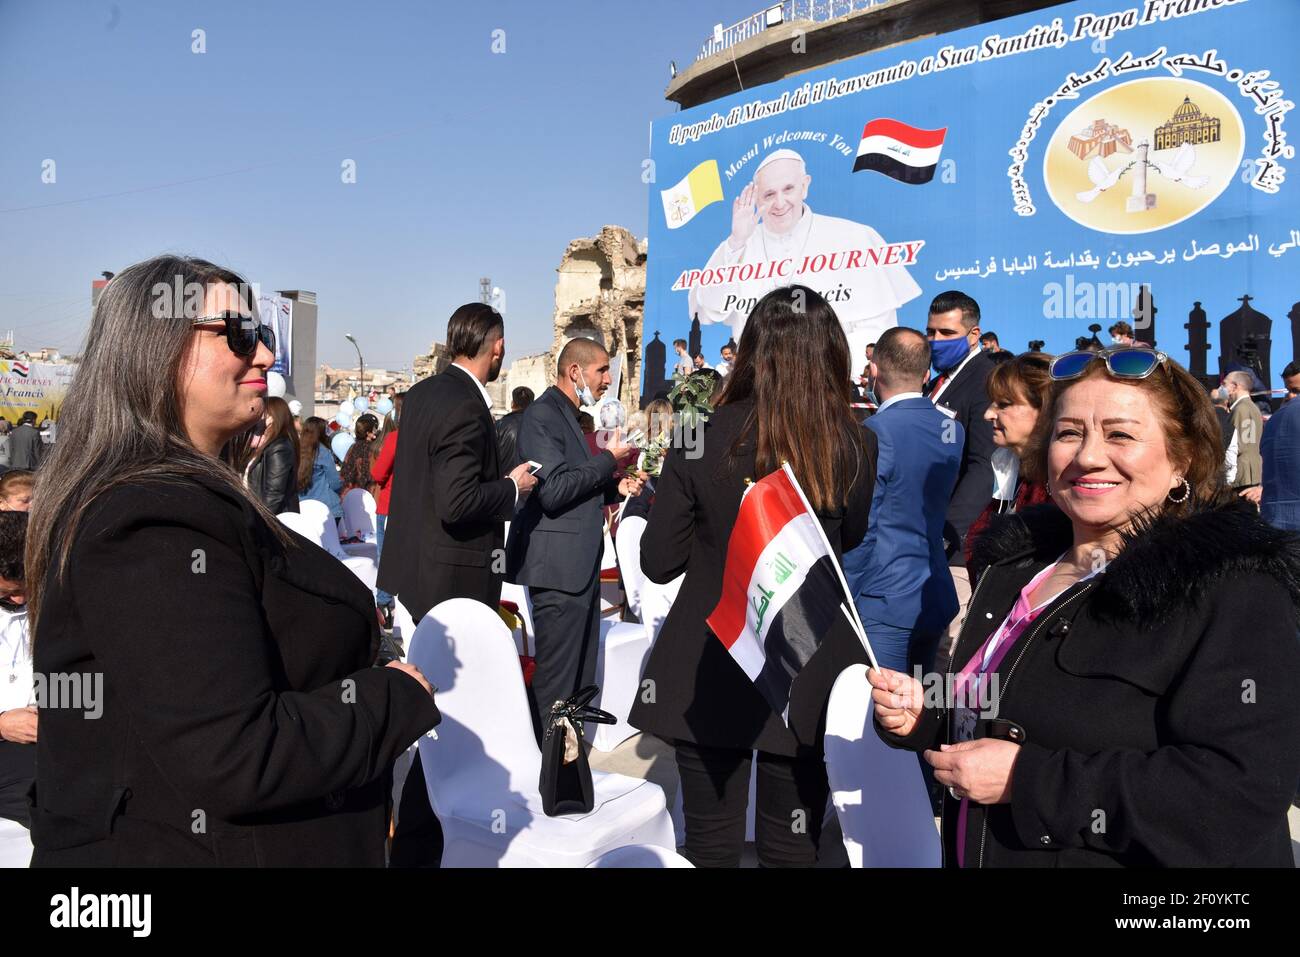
<point x="446" y="512"/>
<point x="898" y="575"/>
<point x="556" y="539"/>
<point x="1279" y="495"/>
<point x="25" y="447"/>
<point x="960" y="391"/>
<point x="508" y="429"/>
<point x="449" y="503"/>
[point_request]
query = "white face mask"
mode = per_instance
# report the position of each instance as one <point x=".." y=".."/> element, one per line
<point x="585" y="395"/>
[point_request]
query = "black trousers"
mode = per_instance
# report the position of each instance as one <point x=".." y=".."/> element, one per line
<point x="565" y="643"/>
<point x="791" y="795"/>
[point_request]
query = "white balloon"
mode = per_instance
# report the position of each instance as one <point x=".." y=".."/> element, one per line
<point x="340" y="444"/>
<point x="295" y="406"/>
<point x="343" y="419"/>
<point x="275" y="385"/>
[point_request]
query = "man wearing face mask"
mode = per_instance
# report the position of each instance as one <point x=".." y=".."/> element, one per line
<point x="557" y="537"/>
<point x="960" y="391"/>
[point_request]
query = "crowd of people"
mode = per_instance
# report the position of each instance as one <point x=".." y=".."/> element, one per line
<point x="1082" y="539"/>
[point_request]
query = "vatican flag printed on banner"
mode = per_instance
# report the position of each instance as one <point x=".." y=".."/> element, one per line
<point x="782" y="589"/>
<point x="701" y="187"/>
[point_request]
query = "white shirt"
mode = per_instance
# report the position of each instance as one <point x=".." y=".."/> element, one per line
<point x="898" y="398"/>
<point x="864" y="298"/>
<point x="723" y="367"/>
<point x="15" y="661"/>
<point x="487" y="400"/>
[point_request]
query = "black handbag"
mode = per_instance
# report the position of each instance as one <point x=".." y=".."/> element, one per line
<point x="566" y="777"/>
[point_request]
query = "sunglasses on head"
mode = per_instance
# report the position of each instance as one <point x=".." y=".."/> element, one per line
<point x="242" y="332"/>
<point x="1125" y="362"/>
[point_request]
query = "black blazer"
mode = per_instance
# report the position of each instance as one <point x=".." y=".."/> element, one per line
<point x="274" y="477"/>
<point x="1164" y="694"/>
<point x="448" y="499"/>
<point x="967" y="397"/>
<point x="700" y="694"/>
<point x="241" y="721"/>
<point x="557" y="537"/>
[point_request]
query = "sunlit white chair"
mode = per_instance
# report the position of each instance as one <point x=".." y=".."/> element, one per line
<point x="627" y="544"/>
<point x="15" y="844"/>
<point x="619" y="660"/>
<point x="359" y="521"/>
<point x="517" y="599"/>
<point x="641" y="855"/>
<point x="611" y="592"/>
<point x="308" y="525"/>
<point x="656" y="601"/>
<point x="482" y="768"/>
<point x="878" y="791"/>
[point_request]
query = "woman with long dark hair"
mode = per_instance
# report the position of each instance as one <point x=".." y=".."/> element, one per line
<point x="273" y="469"/>
<point x="229" y="663"/>
<point x="356" y="464"/>
<point x="786" y="400"/>
<point x="318" y="473"/>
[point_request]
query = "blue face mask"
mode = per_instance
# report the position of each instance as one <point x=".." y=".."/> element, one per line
<point x="946" y="354"/>
<point x="585" y="395"/>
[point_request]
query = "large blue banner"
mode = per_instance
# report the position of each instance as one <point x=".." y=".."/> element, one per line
<point x="1091" y="162"/>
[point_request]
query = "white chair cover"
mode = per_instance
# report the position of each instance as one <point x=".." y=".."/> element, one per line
<point x="482" y="768"/>
<point x="359" y="515"/>
<point x="878" y="791"/>
<point x="15" y="844"/>
<point x="641" y="855"/>
<point x="622" y="654"/>
<point x="656" y="601"/>
<point x="309" y="526"/>
<point x="628" y="545"/>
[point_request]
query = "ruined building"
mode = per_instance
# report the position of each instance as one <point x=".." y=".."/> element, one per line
<point x="600" y="294"/>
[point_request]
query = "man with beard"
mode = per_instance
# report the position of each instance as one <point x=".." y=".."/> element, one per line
<point x="446" y="514"/>
<point x="449" y="503"/>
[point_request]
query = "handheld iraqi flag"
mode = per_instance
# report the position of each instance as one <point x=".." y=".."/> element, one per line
<point x="701" y="187"/>
<point x="782" y="589"/>
<point x="903" y="152"/>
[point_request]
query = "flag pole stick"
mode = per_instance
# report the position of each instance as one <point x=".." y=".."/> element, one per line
<point x="847" y="606"/>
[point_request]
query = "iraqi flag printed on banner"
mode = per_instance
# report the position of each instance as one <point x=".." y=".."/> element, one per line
<point x="782" y="589"/>
<point x="903" y="152"/>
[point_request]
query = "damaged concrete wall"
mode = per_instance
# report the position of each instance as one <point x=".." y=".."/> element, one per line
<point x="600" y="294"/>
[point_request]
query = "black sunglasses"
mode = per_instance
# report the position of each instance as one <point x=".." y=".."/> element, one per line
<point x="242" y="332"/>
<point x="1125" y="362"/>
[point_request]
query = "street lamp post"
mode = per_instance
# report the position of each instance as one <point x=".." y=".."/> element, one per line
<point x="349" y="337"/>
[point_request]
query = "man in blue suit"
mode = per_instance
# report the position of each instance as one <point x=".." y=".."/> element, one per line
<point x="1280" y="448"/>
<point x="899" y="573"/>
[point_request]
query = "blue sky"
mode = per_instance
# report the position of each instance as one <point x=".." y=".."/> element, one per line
<point x="468" y="163"/>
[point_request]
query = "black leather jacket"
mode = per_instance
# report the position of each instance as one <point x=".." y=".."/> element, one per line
<point x="274" y="477"/>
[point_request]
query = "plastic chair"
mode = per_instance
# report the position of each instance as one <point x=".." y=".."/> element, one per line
<point x="656" y="601"/>
<point x="619" y="661"/>
<point x="641" y="855"/>
<point x="878" y="791"/>
<point x="309" y="527"/>
<point x="359" y="515"/>
<point x="627" y="543"/>
<point x="15" y="844"/>
<point x="482" y="768"/>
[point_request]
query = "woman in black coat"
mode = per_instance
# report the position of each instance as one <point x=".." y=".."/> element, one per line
<point x="228" y="663"/>
<point x="787" y="399"/>
<point x="1142" y="648"/>
<point x="273" y="473"/>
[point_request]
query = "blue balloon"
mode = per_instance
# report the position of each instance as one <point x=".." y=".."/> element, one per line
<point x="343" y="419"/>
<point x="384" y="405"/>
<point x="340" y="444"/>
<point x="361" y="403"/>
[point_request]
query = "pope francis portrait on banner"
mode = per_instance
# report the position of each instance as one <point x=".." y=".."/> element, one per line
<point x="772" y="222"/>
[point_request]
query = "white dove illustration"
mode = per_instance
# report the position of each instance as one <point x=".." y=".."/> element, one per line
<point x="1178" y="168"/>
<point x="1102" y="179"/>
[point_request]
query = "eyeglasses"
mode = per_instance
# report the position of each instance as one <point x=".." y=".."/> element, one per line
<point x="1124" y="362"/>
<point x="242" y="332"/>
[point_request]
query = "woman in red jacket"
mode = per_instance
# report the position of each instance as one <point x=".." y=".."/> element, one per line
<point x="381" y="470"/>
